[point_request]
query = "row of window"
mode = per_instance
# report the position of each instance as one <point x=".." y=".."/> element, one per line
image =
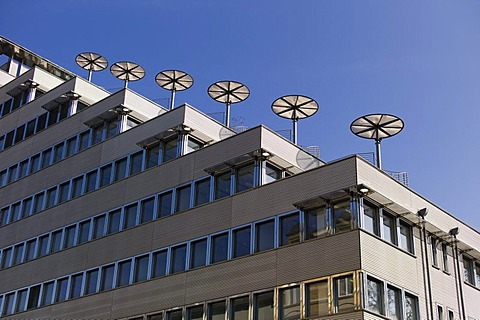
<point x="471" y="271"/>
<point x="435" y="245"/>
<point x="383" y="224"/>
<point x="441" y="313"/>
<point x="36" y="125"/>
<point x="16" y="101"/>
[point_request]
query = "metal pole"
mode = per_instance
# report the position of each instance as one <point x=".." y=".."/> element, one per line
<point x="172" y="99"/>
<point x="294" y="134"/>
<point x="464" y="317"/>
<point x="90" y="75"/>
<point x="227" y="114"/>
<point x="379" y="155"/>
<point x="429" y="284"/>
<point x="126" y="84"/>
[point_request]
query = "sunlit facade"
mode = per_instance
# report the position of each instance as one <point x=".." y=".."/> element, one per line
<point x="114" y="207"/>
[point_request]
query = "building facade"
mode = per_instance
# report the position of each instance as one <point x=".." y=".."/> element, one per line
<point x="113" y="207"/>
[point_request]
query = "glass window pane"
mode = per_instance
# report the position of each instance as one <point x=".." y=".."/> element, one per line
<point x="219" y="247"/>
<point x="15" y="213"/>
<point x="165" y="204"/>
<point x="44" y="245"/>
<point x="27" y="207"/>
<point x="8" y="139"/>
<point x="58" y="152"/>
<point x="239" y="308"/>
<point x="57" y="240"/>
<point x="30" y="128"/>
<point x="195" y="313"/>
<point x="61" y="294"/>
<point x="152" y="156"/>
<point x="84" y="140"/>
<point x="47" y="295"/>
<point x="202" y="191"/>
<point x="38" y="202"/>
<point x="18" y="253"/>
<point x="216" y="310"/>
<point x="147" y="207"/>
<point x="244" y="179"/>
<point x="51" y="197"/>
<point x="19" y="133"/>
<point x="106" y="281"/>
<point x="317" y="299"/>
<point x="41" y="122"/>
<point x="21" y="300"/>
<point x="77" y="185"/>
<point x="71" y="146"/>
<point x="374" y="295"/>
<point x="130" y="216"/>
<point x="99" y="226"/>
<point x="120" y="169"/>
<point x="8" y="307"/>
<point x="241" y="242"/>
<point x="111" y="128"/>
<point x="23" y="169"/>
<point x="35" y="163"/>
<point x="393" y="302"/>
<point x="12" y="173"/>
<point x="170" y="149"/>
<point x="342" y="217"/>
<point x="198" y="253"/>
<point x="411" y="307"/>
<point x="141" y="268"/>
<point x="105" y="175"/>
<point x="30" y="250"/>
<point x="84" y="231"/>
<point x="76" y="286"/>
<point x="179" y="256"/>
<point x="33" y="297"/>
<point x="91" y="281"/>
<point x="157" y="316"/>
<point x="4" y="216"/>
<point x="343" y="291"/>
<point x="91" y="181"/>
<point x="3" y="175"/>
<point x="316" y="223"/>
<point x="222" y="185"/>
<point x="123" y="274"/>
<point x="174" y="314"/>
<point x="97" y="134"/>
<point x="183" y="198"/>
<point x="264" y="235"/>
<point x="46" y="158"/>
<point x="159" y="263"/>
<point x="389" y="228"/>
<point x="193" y="145"/>
<point x="289" y="229"/>
<point x="63" y="192"/>
<point x="136" y="162"/>
<point x="6" y="258"/>
<point x="370" y="218"/>
<point x="406" y="237"/>
<point x="114" y="221"/>
<point x="272" y="173"/>
<point x="263" y="306"/>
<point x="70" y="236"/>
<point x="289" y="301"/>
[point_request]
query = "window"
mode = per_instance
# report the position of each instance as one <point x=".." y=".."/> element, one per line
<point x="445" y="257"/>
<point x="84" y="140"/>
<point x="477" y="274"/>
<point x="289" y="303"/>
<point x="123" y="273"/>
<point x="264" y="235"/>
<point x="222" y="185"/>
<point x="272" y="173"/>
<point x="468" y="270"/>
<point x="58" y="152"/>
<point x="147" y="210"/>
<point x="406" y="237"/>
<point x="241" y="242"/>
<point x="111" y="128"/>
<point x="244" y="179"/>
<point x="83" y="231"/>
<point x="343" y="294"/>
<point x="193" y="145"/>
<point x="289" y="229"/>
<point x="43" y="245"/>
<point x="33" y="297"/>
<point x="76" y="286"/>
<point x="51" y="197"/>
<point x="97" y="134"/>
<point x="170" y="149"/>
<point x="114" y="221"/>
<point x="371" y="218"/>
<point x="12" y="173"/>
<point x="374" y="295"/>
<point x="179" y="257"/>
<point x="219" y="247"/>
<point x="27" y="207"/>
<point x="8" y="307"/>
<point x="195" y="313"/>
<point x="21" y="300"/>
<point x="63" y="192"/>
<point x="23" y="169"/>
<point x="141" y="268"/>
<point x="183" y="198"/>
<point x="202" y="191"/>
<point x="130" y="216"/>
<point x="8" y="139"/>
<point x="6" y="258"/>
<point x="47" y="294"/>
<point x="198" y="253"/>
<point x="35" y="163"/>
<point x="30" y="250"/>
<point x="216" y="311"/>
<point x="136" y="163"/>
<point x="30" y="130"/>
<point x="440" y="312"/>
<point x="41" y="122"/>
<point x="389" y="227"/>
<point x="153" y="154"/>
<point x="165" y="204"/>
<point x="15" y="212"/>
<point x="98" y="226"/>
<point x="451" y="315"/>
<point x="156" y="316"/>
<point x="106" y="281"/>
<point x="174" y="314"/>
<point x="91" y="181"/>
<point x="70" y="236"/>
<point x="263" y="306"/>
<point x="105" y="175"/>
<point x="316" y="223"/>
<point x="18" y="253"/>
<point x="38" y="202"/>
<point x="411" y="307"/>
<point x="239" y="308"/>
<point x="19" y="133"/>
<point x="91" y="281"/>
<point x="394" y="310"/>
<point x="61" y="292"/>
<point x="71" y="145"/>
<point x="120" y="169"/>
<point x="433" y="247"/>
<point x="4" y="216"/>
<point x="57" y="240"/>
<point x="317" y="299"/>
<point x="159" y="264"/>
<point x="46" y="158"/>
<point x="77" y="185"/>
<point x="342" y="217"/>
<point x="3" y="174"/>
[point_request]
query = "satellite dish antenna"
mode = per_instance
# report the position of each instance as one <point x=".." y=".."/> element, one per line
<point x="228" y="92"/>
<point x="294" y="107"/>
<point x="91" y="61"/>
<point x="377" y="127"/>
<point x="174" y="80"/>
<point x="127" y="71"/>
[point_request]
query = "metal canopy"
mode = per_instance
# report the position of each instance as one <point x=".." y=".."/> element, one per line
<point x="174" y="80"/>
<point x="91" y="61"/>
<point x="127" y="71"/>
<point x="228" y="92"/>
<point x="377" y="127"/>
<point x="294" y="107"/>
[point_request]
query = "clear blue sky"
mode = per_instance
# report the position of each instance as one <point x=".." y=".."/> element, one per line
<point x="419" y="60"/>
